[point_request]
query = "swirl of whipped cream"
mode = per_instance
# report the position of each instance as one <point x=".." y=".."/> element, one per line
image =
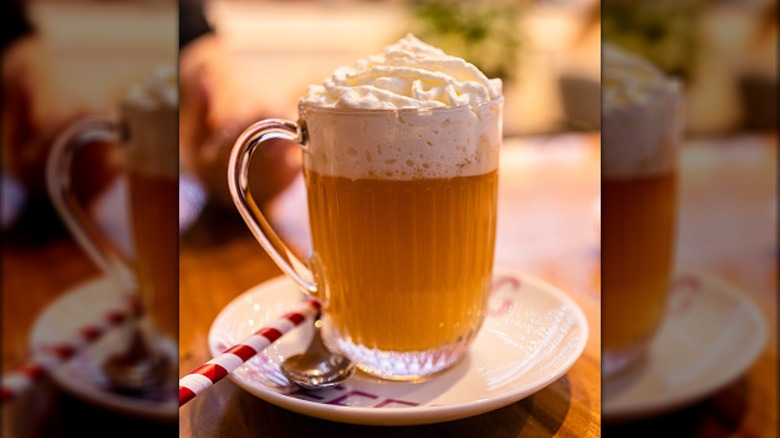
<point x="158" y="88"/>
<point x="409" y="74"/>
<point x="641" y="115"/>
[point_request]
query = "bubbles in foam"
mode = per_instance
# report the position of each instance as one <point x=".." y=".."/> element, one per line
<point x="405" y="145"/>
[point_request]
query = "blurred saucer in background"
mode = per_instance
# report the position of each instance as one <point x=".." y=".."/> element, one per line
<point x="712" y="334"/>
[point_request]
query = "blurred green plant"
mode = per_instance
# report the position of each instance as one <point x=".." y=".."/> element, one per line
<point x="665" y="32"/>
<point x="483" y="32"/>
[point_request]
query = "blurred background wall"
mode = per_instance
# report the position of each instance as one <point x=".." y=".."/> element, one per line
<point x="97" y="48"/>
<point x="725" y="51"/>
<point x="547" y="52"/>
<point x="547" y="49"/>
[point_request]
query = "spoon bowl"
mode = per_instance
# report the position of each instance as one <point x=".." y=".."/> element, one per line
<point x="138" y="370"/>
<point x="317" y="367"/>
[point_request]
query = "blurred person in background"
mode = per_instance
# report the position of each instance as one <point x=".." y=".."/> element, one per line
<point x="213" y="113"/>
<point x="35" y="111"/>
<point x="37" y="107"/>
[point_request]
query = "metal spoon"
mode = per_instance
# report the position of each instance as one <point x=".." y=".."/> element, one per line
<point x="317" y="367"/>
<point x="138" y="371"/>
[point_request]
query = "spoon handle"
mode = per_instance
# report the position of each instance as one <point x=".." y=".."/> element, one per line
<point x="217" y="368"/>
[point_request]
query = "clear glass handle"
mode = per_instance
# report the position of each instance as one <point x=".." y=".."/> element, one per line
<point x="59" y="183"/>
<point x="238" y="181"/>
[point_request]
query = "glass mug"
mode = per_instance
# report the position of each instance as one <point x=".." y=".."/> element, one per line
<point x="149" y="139"/>
<point x="402" y="210"/>
<point x="638" y="236"/>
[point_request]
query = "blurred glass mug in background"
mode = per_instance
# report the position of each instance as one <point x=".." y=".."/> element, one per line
<point x="402" y="209"/>
<point x="642" y="126"/>
<point x="147" y="131"/>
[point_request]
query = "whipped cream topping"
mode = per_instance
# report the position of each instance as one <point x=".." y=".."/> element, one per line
<point x="438" y="117"/>
<point x="150" y="113"/>
<point x="409" y="74"/>
<point x="160" y="87"/>
<point x="642" y="116"/>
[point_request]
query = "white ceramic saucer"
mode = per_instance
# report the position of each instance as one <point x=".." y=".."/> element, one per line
<point x="533" y="335"/>
<point x="712" y="334"/>
<point x="82" y="376"/>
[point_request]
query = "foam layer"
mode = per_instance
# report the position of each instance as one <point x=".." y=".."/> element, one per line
<point x="404" y="145"/>
<point x="641" y="116"/>
<point x="151" y="115"/>
<point x="409" y="74"/>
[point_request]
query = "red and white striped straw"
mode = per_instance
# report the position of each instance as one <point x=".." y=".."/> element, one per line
<point x="229" y="360"/>
<point x="49" y="357"/>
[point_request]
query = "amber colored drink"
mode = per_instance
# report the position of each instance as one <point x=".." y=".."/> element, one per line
<point x="638" y="226"/>
<point x="154" y="206"/>
<point x="406" y="265"/>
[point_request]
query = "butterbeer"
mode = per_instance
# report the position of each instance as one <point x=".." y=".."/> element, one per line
<point x="400" y="157"/>
<point x="402" y="207"/>
<point x="150" y="119"/>
<point x="147" y="130"/>
<point x="641" y="130"/>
